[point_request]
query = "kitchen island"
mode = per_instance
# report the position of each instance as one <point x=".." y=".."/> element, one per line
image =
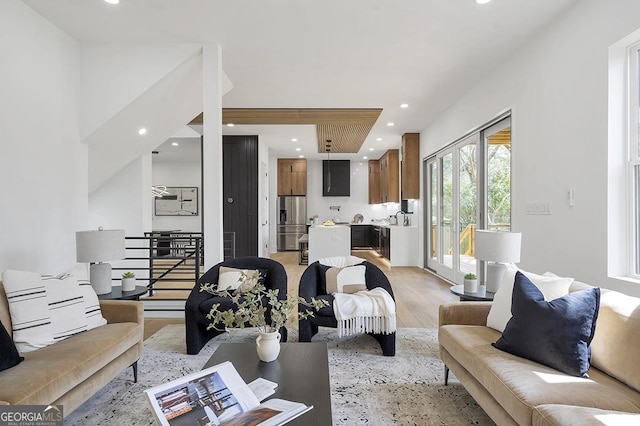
<point x="327" y="241"/>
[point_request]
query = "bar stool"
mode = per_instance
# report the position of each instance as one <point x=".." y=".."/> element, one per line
<point x="303" y="250"/>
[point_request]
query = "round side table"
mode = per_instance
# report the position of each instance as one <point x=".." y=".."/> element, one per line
<point x="482" y="295"/>
<point x="118" y="294"/>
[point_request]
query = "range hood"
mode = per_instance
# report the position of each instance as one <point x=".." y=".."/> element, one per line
<point x="336" y="178"/>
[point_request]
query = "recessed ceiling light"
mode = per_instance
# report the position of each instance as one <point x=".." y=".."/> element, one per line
<point x="379" y="139"/>
<point x="298" y="149"/>
<point x="364" y="158"/>
<point x="175" y="143"/>
<point x="301" y="156"/>
<point x="390" y="124"/>
<point x="230" y="124"/>
<point x="112" y="1"/>
<point x="371" y="149"/>
<point x="404" y="105"/>
<point x="294" y="140"/>
<point x="482" y="1"/>
<point x="142" y="131"/>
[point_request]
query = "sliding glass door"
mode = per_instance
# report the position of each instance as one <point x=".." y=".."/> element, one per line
<point x="468" y="187"/>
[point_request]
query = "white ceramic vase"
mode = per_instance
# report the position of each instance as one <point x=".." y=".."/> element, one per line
<point x="268" y="346"/>
<point x="470" y="286"/>
<point x="128" y="284"/>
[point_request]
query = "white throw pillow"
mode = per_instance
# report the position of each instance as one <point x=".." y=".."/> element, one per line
<point x="340" y="261"/>
<point x="350" y="279"/>
<point x="551" y="287"/>
<point x="46" y="309"/>
<point x="230" y="279"/>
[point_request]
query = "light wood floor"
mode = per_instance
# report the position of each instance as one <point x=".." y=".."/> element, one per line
<point x="418" y="293"/>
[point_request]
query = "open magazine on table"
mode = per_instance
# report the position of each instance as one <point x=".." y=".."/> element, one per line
<point x="217" y="396"/>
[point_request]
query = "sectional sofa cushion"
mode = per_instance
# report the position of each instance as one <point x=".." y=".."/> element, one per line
<point x="616" y="353"/>
<point x="556" y="333"/>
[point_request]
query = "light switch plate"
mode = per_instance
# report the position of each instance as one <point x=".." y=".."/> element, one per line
<point x="538" y="208"/>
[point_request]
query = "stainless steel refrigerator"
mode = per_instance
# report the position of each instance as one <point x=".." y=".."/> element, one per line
<point x="292" y="221"/>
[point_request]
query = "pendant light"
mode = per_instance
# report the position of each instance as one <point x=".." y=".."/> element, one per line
<point x="327" y="148"/>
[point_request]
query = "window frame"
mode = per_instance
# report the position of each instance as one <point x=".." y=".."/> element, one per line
<point x="633" y="158"/>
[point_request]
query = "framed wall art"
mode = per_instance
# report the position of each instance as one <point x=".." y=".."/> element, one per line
<point x="180" y="201"/>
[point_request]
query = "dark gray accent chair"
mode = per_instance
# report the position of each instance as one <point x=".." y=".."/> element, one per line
<point x="199" y="302"/>
<point x="313" y="285"/>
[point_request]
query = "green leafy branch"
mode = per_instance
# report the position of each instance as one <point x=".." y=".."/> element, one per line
<point x="252" y="303"/>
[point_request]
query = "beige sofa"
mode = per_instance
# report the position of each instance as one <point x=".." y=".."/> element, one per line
<point x="513" y="390"/>
<point x="70" y="371"/>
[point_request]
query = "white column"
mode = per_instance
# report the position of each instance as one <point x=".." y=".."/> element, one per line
<point x="212" y="153"/>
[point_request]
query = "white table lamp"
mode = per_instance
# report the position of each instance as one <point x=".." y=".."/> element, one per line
<point x="96" y="247"/>
<point x="497" y="248"/>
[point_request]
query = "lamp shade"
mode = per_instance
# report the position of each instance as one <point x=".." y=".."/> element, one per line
<point x="498" y="246"/>
<point x="100" y="245"/>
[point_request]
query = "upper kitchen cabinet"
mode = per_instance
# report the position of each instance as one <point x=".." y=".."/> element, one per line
<point x="374" y="182"/>
<point x="390" y="177"/>
<point x="292" y="176"/>
<point x="410" y="184"/>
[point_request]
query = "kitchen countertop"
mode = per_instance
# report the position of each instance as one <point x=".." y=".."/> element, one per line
<point x="382" y="225"/>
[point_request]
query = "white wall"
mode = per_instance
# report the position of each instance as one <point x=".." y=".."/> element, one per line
<point x="43" y="165"/>
<point x="556" y="86"/>
<point x="123" y="203"/>
<point x="178" y="174"/>
<point x="115" y="74"/>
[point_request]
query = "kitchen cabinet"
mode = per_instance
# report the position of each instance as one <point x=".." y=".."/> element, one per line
<point x="385" y="243"/>
<point x="390" y="177"/>
<point x="361" y="236"/>
<point x="374" y="182"/>
<point x="292" y="176"/>
<point x="375" y="238"/>
<point x="410" y="183"/>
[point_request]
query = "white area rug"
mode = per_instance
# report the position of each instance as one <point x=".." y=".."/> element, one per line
<point x="366" y="387"/>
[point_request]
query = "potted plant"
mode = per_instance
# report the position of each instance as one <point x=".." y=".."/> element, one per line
<point x="128" y="281"/>
<point x="470" y="283"/>
<point x="250" y="310"/>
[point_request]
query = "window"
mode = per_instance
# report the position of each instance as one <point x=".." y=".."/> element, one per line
<point x="468" y="186"/>
<point x="633" y="167"/>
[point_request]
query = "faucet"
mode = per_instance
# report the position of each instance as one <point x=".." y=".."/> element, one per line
<point x="403" y="218"/>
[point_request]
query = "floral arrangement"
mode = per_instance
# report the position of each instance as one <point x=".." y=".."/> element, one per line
<point x="250" y="308"/>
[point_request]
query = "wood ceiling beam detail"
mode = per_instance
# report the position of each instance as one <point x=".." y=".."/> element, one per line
<point x="296" y="116"/>
<point x="346" y="127"/>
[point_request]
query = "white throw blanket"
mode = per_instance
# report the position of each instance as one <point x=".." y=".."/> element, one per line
<point x="371" y="311"/>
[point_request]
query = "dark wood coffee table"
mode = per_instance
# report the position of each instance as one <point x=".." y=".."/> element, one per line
<point x="301" y="372"/>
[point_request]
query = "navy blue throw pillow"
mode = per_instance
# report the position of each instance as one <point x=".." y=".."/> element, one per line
<point x="9" y="355"/>
<point x="555" y="333"/>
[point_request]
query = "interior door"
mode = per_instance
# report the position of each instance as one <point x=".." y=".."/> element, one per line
<point x="240" y="192"/>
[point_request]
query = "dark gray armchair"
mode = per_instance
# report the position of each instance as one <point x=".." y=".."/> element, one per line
<point x="312" y="285"/>
<point x="199" y="303"/>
